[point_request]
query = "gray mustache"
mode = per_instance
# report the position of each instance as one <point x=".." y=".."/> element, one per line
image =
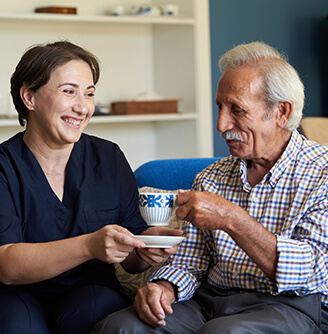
<point x="231" y="135"/>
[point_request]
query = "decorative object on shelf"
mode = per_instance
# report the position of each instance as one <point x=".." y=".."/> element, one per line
<point x="171" y="9"/>
<point x="145" y="103"/>
<point x="149" y="11"/>
<point x="146" y="10"/>
<point x="145" y="107"/>
<point x="120" y="10"/>
<point x="56" y="10"/>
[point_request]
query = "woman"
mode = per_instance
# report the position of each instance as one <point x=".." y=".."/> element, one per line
<point x="68" y="202"/>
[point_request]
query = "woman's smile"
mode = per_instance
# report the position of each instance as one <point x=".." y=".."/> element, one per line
<point x="73" y="121"/>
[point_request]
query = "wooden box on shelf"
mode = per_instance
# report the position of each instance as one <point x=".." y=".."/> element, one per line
<point x="56" y="10"/>
<point x="145" y="107"/>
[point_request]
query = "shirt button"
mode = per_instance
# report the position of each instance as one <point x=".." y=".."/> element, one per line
<point x="255" y="199"/>
<point x="235" y="274"/>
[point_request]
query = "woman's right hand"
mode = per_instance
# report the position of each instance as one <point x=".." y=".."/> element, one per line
<point x="112" y="244"/>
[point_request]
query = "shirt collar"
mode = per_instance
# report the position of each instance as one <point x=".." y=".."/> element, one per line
<point x="291" y="151"/>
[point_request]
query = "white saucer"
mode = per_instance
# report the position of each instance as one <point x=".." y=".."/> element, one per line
<point x="159" y="241"/>
<point x="157" y="224"/>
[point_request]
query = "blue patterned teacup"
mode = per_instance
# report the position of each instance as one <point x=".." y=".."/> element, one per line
<point x="157" y="209"/>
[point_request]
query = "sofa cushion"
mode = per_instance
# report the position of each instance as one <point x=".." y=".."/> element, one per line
<point x="171" y="173"/>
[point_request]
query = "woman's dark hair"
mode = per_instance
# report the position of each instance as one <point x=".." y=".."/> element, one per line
<point x="37" y="64"/>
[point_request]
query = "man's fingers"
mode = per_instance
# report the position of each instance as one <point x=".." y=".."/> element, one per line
<point x="146" y="314"/>
<point x="182" y="198"/>
<point x="150" y="257"/>
<point x="147" y="304"/>
<point x="167" y="306"/>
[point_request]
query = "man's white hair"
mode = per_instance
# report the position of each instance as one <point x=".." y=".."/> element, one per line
<point x="280" y="79"/>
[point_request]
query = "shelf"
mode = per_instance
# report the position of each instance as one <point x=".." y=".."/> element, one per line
<point x="143" y="118"/>
<point x="7" y="122"/>
<point x="99" y="19"/>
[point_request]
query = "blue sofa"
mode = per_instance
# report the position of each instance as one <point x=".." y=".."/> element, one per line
<point x="171" y="174"/>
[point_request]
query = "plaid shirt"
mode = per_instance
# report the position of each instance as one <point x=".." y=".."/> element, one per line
<point x="291" y="202"/>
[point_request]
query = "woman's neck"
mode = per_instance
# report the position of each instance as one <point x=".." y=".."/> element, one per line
<point x="53" y="161"/>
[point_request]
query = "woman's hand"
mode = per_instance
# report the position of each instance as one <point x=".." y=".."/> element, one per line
<point x="156" y="256"/>
<point x="27" y="263"/>
<point x="112" y="244"/>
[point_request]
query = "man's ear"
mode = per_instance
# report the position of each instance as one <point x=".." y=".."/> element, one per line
<point x="285" y="110"/>
<point x="27" y="97"/>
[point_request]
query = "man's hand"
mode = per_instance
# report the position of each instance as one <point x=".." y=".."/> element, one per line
<point x="153" y="302"/>
<point x="205" y="210"/>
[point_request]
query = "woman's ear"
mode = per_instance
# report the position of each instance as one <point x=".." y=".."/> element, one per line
<point x="27" y="97"/>
<point x="285" y="110"/>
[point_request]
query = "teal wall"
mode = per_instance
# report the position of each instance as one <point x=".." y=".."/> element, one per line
<point x="291" y="26"/>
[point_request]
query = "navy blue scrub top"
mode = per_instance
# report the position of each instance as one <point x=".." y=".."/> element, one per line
<point x="100" y="189"/>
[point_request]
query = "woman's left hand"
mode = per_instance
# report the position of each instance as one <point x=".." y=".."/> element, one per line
<point x="156" y="256"/>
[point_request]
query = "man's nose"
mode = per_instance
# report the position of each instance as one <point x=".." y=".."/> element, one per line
<point x="224" y="122"/>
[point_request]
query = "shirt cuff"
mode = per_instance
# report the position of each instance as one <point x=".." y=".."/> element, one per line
<point x="185" y="283"/>
<point x="295" y="263"/>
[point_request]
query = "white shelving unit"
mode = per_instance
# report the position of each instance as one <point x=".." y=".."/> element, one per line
<point x="168" y="55"/>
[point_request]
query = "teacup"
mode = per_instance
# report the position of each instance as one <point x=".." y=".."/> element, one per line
<point x="157" y="209"/>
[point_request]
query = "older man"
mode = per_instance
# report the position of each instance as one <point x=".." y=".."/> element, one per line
<point x="255" y="258"/>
